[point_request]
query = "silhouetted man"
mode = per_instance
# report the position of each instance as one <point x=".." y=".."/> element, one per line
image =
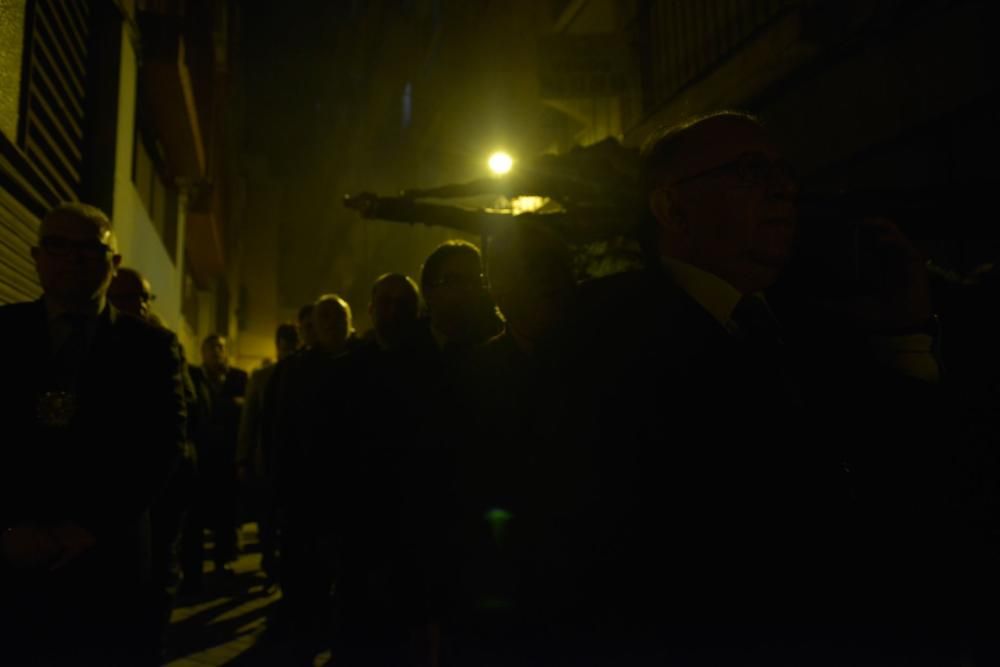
<point x="460" y="310"/>
<point x="94" y="411"/>
<point x="369" y="411"/>
<point x="394" y="309"/>
<point x="272" y="435"/>
<point x="131" y="293"/>
<point x="270" y="389"/>
<point x="517" y="463"/>
<point x="531" y="280"/>
<point x="307" y="552"/>
<point x="254" y="463"/>
<point x="222" y="389"/>
<point x="744" y="462"/>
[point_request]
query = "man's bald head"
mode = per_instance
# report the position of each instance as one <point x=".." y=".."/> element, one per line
<point x="131" y="293"/>
<point x="76" y="257"/>
<point x="666" y="153"/>
<point x="333" y="322"/>
<point x="82" y="214"/>
<point x="723" y="198"/>
<point x="394" y="308"/>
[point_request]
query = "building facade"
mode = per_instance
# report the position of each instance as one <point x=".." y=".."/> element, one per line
<point x="119" y="104"/>
<point x="894" y="99"/>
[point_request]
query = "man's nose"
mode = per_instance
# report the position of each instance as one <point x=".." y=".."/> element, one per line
<point x="784" y="187"/>
<point x="78" y="255"/>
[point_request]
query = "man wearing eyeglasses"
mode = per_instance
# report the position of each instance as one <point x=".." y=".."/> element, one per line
<point x="97" y="404"/>
<point x="131" y="293"/>
<point x="758" y="491"/>
<point x="459" y="307"/>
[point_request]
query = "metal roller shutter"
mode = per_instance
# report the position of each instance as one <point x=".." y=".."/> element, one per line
<point x="45" y="167"/>
<point x="18" y="230"/>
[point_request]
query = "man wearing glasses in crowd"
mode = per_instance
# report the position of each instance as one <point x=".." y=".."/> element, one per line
<point x="96" y="402"/>
<point x="777" y="483"/>
<point x="131" y="293"/>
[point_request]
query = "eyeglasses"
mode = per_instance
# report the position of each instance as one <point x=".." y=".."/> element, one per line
<point x="459" y="280"/>
<point x="58" y="246"/>
<point x="751" y="169"/>
<point x="144" y="297"/>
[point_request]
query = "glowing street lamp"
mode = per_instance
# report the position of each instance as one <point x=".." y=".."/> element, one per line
<point x="500" y="163"/>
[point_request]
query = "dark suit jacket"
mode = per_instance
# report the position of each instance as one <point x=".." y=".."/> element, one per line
<point x="730" y="496"/>
<point x="105" y="467"/>
<point x="218" y="428"/>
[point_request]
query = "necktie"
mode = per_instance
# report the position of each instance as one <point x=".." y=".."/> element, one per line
<point x="70" y="355"/>
<point x="761" y="336"/>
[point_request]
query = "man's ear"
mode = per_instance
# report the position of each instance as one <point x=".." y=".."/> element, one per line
<point x="668" y="213"/>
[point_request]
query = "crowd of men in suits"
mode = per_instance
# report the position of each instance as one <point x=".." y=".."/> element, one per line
<point x="710" y="461"/>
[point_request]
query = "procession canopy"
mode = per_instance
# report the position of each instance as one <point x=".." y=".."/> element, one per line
<point x="587" y="195"/>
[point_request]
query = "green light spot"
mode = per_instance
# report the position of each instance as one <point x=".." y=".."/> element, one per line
<point x="498" y="518"/>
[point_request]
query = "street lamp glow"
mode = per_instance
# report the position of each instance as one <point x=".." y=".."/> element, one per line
<point x="500" y="163"/>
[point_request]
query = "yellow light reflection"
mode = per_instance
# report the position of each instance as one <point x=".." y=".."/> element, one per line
<point x="527" y="204"/>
